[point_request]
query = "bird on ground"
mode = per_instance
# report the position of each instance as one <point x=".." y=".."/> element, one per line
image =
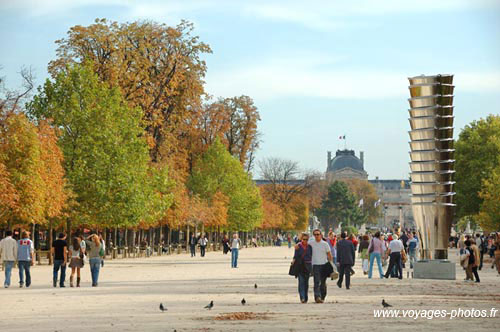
<point x="243" y="302"/>
<point x="210" y="305"/>
<point x="385" y="304"/>
<point x="255" y="286"/>
<point x="162" y="308"/>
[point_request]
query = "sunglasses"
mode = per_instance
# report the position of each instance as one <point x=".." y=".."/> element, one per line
<point x="316" y="234"/>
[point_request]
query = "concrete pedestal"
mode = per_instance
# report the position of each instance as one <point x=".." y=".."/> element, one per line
<point x="434" y="269"/>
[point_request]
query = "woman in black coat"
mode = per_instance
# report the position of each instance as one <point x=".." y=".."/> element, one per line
<point x="302" y="257"/>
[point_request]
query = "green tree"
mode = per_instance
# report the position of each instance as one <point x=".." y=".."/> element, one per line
<point x="477" y="155"/>
<point x="489" y="215"/>
<point x="340" y="205"/>
<point x="218" y="171"/>
<point x="106" y="156"/>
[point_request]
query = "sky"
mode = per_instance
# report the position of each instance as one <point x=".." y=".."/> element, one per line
<point x="315" y="69"/>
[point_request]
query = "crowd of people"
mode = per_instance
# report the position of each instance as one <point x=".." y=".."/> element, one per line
<point x="323" y="257"/>
<point x="75" y="255"/>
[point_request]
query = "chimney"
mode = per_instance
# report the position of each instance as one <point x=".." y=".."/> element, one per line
<point x="329" y="159"/>
<point x="362" y="157"/>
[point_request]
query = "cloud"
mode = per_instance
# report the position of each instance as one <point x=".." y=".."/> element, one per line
<point x="332" y="14"/>
<point x="311" y="76"/>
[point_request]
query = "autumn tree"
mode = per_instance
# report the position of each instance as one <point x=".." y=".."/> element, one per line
<point x="219" y="172"/>
<point x="364" y="190"/>
<point x="106" y="156"/>
<point x="20" y="155"/>
<point x="158" y="68"/>
<point x="489" y="214"/>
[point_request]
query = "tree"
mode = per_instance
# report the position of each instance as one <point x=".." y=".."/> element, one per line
<point x="489" y="215"/>
<point x="20" y="155"/>
<point x="364" y="190"/>
<point x="106" y="156"/>
<point x="233" y="120"/>
<point x="219" y="172"/>
<point x="242" y="136"/>
<point x="340" y="205"/>
<point x="8" y="195"/>
<point x="477" y="154"/>
<point x="157" y="68"/>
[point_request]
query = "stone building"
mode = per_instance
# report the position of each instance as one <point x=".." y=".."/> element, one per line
<point x="394" y="194"/>
<point x="345" y="165"/>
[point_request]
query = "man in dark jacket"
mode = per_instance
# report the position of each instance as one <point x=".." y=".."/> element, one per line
<point x="345" y="258"/>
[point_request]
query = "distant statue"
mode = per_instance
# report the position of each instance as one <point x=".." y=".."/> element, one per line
<point x="338" y="230"/>
<point x="467" y="228"/>
<point x="362" y="229"/>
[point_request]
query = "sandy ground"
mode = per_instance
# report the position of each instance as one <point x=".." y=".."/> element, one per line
<point x="131" y="290"/>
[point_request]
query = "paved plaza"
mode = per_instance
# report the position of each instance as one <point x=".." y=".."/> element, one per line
<point x="131" y="290"/>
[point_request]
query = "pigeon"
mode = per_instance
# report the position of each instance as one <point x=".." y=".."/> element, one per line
<point x="255" y="286"/>
<point x="385" y="304"/>
<point x="162" y="308"/>
<point x="243" y="302"/>
<point x="210" y="305"/>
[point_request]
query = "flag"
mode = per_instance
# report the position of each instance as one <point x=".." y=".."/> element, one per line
<point x="342" y="137"/>
<point x="377" y="203"/>
<point x="360" y="203"/>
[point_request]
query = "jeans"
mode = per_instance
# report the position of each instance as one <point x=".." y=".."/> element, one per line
<point x="8" y="272"/>
<point x="24" y="267"/>
<point x="202" y="251"/>
<point x="95" y="266"/>
<point x="192" y="248"/>
<point x="413" y="256"/>
<point x="373" y="256"/>
<point x="365" y="264"/>
<point x="345" y="269"/>
<point x="303" y="285"/>
<point x="234" y="257"/>
<point x="395" y="260"/>
<point x="59" y="263"/>
<point x="319" y="282"/>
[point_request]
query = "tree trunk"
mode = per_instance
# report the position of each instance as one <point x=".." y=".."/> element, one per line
<point x="68" y="228"/>
<point x="51" y="239"/>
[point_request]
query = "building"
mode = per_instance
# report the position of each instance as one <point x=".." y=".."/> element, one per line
<point x="394" y="194"/>
<point x="345" y="165"/>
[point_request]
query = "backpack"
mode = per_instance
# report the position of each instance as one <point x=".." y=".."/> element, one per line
<point x="472" y="259"/>
<point x="464" y="258"/>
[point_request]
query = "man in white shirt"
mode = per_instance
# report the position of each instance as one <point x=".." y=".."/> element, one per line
<point x="395" y="248"/>
<point x="321" y="255"/>
<point x="8" y="253"/>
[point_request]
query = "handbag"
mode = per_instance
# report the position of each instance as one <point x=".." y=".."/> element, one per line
<point x="404" y="258"/>
<point x="371" y="247"/>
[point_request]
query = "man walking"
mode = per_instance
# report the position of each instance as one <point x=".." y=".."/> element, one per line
<point x="395" y="248"/>
<point x="8" y="254"/>
<point x="59" y="251"/>
<point x="321" y="255"/>
<point x="25" y="258"/>
<point x="412" y="249"/>
<point x="345" y="257"/>
<point x="192" y="245"/>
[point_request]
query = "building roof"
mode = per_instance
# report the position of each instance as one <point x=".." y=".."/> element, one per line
<point x="345" y="159"/>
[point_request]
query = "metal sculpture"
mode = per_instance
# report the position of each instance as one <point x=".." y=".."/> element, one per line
<point x="432" y="161"/>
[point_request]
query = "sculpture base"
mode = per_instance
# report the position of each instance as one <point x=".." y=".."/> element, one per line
<point x="434" y="269"/>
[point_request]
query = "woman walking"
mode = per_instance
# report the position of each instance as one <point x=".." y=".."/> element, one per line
<point x="95" y="252"/>
<point x="235" y="248"/>
<point x="363" y="250"/>
<point x="203" y="242"/>
<point x="225" y="244"/>
<point x="76" y="262"/>
<point x="302" y="257"/>
<point x="376" y="249"/>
